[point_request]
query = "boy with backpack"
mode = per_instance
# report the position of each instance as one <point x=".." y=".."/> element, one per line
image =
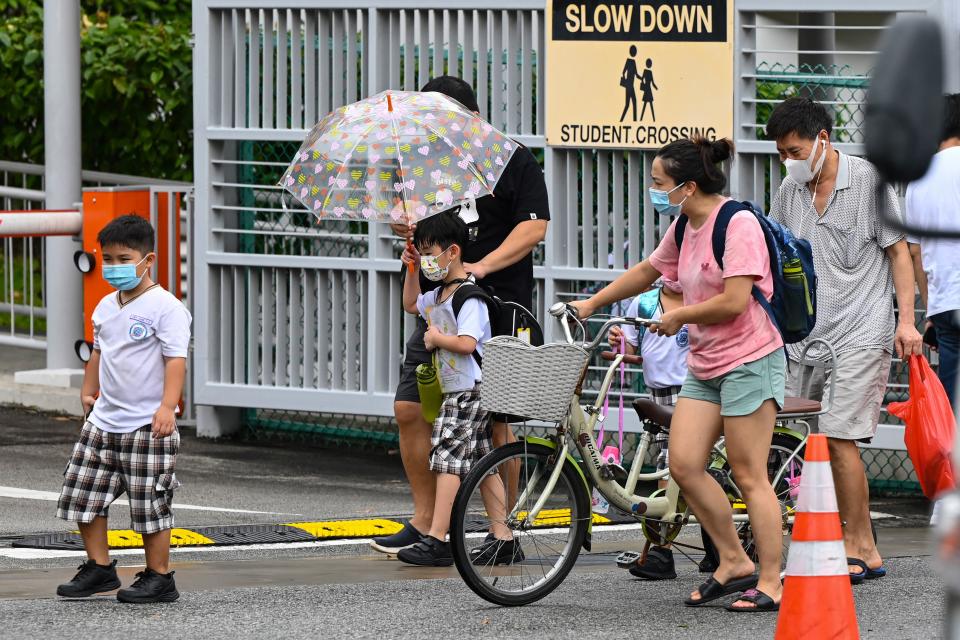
<point x="458" y="328"/>
<point x="129" y="443"/>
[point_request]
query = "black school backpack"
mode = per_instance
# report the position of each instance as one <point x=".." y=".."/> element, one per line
<point x="506" y="318"/>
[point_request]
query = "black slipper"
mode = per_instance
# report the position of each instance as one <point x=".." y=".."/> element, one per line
<point x="857" y="578"/>
<point x="761" y="601"/>
<point x="712" y="590"/>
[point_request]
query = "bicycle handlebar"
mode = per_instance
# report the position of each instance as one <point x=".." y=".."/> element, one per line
<point x="565" y="313"/>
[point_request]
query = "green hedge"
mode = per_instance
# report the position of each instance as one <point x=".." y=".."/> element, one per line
<point x="137" y="85"/>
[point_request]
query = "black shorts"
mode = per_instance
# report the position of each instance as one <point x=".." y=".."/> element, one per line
<point x="415" y="355"/>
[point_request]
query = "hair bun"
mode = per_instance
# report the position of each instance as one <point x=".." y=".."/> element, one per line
<point x="721" y="150"/>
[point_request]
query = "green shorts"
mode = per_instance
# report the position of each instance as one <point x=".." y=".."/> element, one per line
<point x="741" y="391"/>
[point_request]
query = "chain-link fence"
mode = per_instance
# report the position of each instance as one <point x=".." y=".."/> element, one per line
<point x="270" y="222"/>
<point x="838" y="87"/>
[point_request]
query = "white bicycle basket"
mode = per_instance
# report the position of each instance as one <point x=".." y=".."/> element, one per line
<point x="533" y="382"/>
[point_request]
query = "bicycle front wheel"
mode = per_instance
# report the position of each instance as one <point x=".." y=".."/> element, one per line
<point x="492" y="507"/>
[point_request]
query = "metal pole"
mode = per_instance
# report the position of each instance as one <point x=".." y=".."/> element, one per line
<point x="61" y="103"/>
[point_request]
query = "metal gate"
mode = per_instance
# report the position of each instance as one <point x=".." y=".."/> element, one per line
<point x="293" y="316"/>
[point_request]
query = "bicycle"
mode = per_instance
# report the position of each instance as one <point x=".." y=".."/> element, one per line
<point x="550" y="513"/>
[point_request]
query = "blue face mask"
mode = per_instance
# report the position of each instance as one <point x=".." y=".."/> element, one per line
<point x="122" y="277"/>
<point x="661" y="201"/>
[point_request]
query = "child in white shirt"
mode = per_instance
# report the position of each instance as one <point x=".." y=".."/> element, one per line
<point x="462" y="431"/>
<point x="664" y="370"/>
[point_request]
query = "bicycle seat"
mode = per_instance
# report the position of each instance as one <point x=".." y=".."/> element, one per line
<point x="799" y="406"/>
<point x="653" y="413"/>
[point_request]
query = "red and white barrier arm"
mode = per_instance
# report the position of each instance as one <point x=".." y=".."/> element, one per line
<point x="20" y="224"/>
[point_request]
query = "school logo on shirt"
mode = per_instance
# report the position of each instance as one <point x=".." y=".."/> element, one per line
<point x="683" y="337"/>
<point x="138" y="331"/>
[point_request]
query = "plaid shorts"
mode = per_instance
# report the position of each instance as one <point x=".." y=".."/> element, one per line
<point x="104" y="465"/>
<point x="461" y="433"/>
<point x="666" y="397"/>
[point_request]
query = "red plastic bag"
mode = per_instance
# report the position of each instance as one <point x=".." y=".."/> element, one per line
<point x="930" y="428"/>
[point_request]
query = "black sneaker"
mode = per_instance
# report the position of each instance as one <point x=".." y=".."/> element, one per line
<point x="150" y="586"/>
<point x="494" y="552"/>
<point x="711" y="559"/>
<point x="406" y="537"/>
<point x="708" y="565"/>
<point x="659" y="565"/>
<point x="429" y="552"/>
<point x="90" y="579"/>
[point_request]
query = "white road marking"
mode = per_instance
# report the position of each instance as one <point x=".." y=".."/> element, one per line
<point x="53" y="496"/>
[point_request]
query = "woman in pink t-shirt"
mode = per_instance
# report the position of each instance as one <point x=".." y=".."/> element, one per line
<point x="736" y="364"/>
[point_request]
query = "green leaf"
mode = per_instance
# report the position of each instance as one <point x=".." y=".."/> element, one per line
<point x="32" y="56"/>
<point x="5" y="39"/>
<point x="156" y="76"/>
<point x="120" y="83"/>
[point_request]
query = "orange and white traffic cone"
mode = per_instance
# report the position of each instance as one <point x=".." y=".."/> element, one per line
<point x="817" y="595"/>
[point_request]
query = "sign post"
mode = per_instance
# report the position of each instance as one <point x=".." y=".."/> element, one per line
<point x="638" y="74"/>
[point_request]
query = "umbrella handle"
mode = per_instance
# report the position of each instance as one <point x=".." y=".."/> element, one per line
<point x="410" y="266"/>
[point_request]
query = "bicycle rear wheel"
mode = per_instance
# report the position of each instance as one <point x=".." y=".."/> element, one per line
<point x="544" y="549"/>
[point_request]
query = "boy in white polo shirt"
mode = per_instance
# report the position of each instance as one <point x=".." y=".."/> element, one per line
<point x="129" y="442"/>
<point x="664" y="370"/>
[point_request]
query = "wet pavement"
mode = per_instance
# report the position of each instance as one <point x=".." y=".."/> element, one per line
<point x="342" y="588"/>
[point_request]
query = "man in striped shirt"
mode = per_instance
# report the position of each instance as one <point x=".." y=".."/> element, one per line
<point x="834" y="200"/>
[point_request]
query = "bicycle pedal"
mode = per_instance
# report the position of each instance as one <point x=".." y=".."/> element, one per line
<point x="627" y="559"/>
<point x="613" y="472"/>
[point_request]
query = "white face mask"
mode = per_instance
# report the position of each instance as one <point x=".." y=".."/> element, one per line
<point x="802" y="171"/>
<point x="431" y="269"/>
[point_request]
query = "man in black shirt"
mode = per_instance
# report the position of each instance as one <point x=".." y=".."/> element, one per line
<point x="504" y="230"/>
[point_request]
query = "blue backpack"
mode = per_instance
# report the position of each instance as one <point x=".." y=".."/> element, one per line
<point x="793" y="307"/>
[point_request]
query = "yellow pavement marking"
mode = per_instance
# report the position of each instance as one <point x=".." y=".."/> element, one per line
<point x="557" y="517"/>
<point x="349" y="528"/>
<point x="128" y="538"/>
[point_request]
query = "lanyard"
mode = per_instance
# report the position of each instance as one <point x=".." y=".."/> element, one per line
<point x="606" y="401"/>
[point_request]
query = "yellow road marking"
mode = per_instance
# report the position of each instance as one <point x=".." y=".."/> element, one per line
<point x="128" y="538"/>
<point x="349" y="528"/>
<point x="557" y="517"/>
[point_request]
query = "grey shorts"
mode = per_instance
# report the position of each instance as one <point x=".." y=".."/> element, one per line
<point x="861" y="381"/>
